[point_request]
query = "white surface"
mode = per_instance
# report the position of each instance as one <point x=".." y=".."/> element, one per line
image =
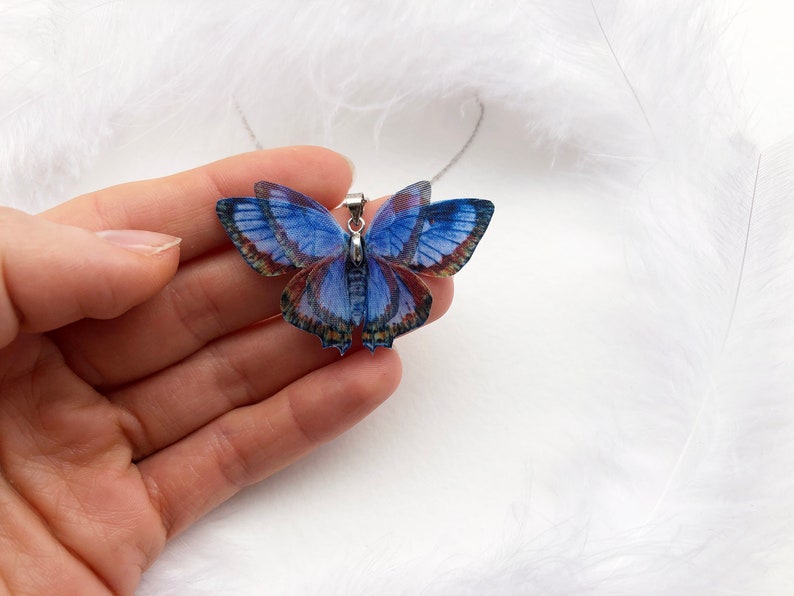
<point x="527" y="438"/>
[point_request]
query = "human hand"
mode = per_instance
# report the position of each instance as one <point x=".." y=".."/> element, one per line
<point x="140" y="387"/>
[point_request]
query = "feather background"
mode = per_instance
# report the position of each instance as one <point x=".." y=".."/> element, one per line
<point x="617" y="417"/>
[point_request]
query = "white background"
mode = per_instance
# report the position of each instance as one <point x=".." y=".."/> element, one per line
<point x="474" y="466"/>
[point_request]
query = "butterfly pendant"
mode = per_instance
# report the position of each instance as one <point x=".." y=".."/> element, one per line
<point x="356" y="277"/>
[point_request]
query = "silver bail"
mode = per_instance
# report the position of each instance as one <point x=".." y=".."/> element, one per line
<point x="355" y="203"/>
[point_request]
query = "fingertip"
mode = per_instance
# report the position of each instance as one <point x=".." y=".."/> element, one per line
<point x="345" y="392"/>
<point x="387" y="367"/>
<point x="367" y="379"/>
<point x="323" y="156"/>
<point x="140" y="241"/>
<point x="443" y="291"/>
<point x="57" y="274"/>
<point x="318" y="172"/>
<point x="123" y="270"/>
<point x="352" y="167"/>
<point x="336" y="173"/>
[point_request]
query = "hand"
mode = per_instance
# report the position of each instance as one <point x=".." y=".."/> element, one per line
<point x="144" y="382"/>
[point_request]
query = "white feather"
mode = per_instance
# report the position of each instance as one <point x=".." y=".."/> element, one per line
<point x="621" y="423"/>
<point x="146" y="64"/>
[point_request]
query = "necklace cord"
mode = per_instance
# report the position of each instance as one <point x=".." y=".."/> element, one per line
<point x="464" y="148"/>
<point x="433" y="180"/>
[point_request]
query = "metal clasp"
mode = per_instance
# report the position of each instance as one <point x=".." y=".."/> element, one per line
<point x="355" y="203"/>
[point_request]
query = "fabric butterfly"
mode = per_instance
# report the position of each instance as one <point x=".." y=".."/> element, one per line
<point x="345" y="279"/>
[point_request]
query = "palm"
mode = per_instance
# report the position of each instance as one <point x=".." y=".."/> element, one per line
<point x="117" y="434"/>
<point x="78" y="503"/>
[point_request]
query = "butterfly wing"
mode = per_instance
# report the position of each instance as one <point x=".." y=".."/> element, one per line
<point x="397" y="302"/>
<point x="316" y="300"/>
<point x="396" y="226"/>
<point x="410" y="235"/>
<point x="280" y="230"/>
<point x="442" y="235"/>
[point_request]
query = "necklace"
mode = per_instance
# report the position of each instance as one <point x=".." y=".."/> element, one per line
<point x="438" y="175"/>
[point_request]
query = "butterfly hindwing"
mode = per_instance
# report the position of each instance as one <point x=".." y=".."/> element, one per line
<point x="398" y="301"/>
<point x="281" y="229"/>
<point x="317" y="300"/>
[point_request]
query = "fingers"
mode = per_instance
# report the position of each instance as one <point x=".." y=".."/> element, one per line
<point x="54" y="274"/>
<point x="251" y="443"/>
<point x="235" y="371"/>
<point x="207" y="299"/>
<point x="183" y="205"/>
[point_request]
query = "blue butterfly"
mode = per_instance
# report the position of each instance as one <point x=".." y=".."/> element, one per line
<point x="345" y="279"/>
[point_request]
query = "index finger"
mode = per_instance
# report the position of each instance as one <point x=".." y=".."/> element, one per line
<point x="183" y="204"/>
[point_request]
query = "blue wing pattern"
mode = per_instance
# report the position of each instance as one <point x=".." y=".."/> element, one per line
<point x="434" y="239"/>
<point x="252" y="235"/>
<point x="397" y="302"/>
<point x="316" y="300"/>
<point x="281" y="230"/>
<point x="450" y="232"/>
<point x="396" y="225"/>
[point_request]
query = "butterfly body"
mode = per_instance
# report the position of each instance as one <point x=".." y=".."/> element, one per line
<point x="357" y="288"/>
<point x="366" y="277"/>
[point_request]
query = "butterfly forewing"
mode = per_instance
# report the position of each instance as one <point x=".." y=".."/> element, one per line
<point x="450" y="232"/>
<point x="305" y="229"/>
<point x="430" y="238"/>
<point x="281" y="229"/>
<point x="395" y="225"/>
<point x="253" y="236"/>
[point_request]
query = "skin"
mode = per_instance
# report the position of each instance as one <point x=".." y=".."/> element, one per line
<point x="139" y="391"/>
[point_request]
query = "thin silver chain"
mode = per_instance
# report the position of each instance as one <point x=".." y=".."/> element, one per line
<point x="465" y="147"/>
<point x="247" y="126"/>
<point x="433" y="180"/>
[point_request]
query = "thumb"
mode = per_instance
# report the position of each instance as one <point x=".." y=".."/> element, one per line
<point x="53" y="274"/>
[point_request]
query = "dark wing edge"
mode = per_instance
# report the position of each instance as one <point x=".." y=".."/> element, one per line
<point x="316" y="300"/>
<point x="253" y="236"/>
<point x="451" y="230"/>
<point x="280" y="229"/>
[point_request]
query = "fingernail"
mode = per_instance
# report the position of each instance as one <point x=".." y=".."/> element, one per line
<point x="351" y="165"/>
<point x="140" y="241"/>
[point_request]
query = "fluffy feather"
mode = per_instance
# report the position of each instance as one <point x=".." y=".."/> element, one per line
<point x="66" y="94"/>
<point x="622" y="423"/>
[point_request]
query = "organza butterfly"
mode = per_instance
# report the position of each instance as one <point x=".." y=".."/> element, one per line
<point x="348" y="278"/>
